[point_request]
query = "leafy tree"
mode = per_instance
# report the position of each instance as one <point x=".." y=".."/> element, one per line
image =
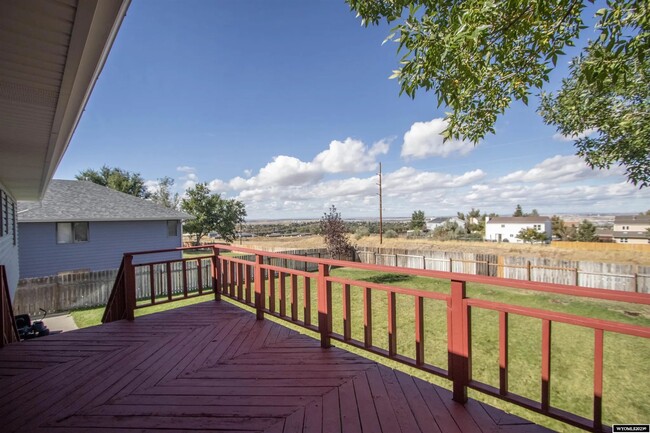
<point x="558" y="228"/>
<point x="518" y="211"/>
<point x="448" y="231"/>
<point x="474" y="221"/>
<point x="117" y="179"/>
<point x="478" y="57"/>
<point x="211" y="214"/>
<point x="586" y="232"/>
<point x="163" y="195"/>
<point x="333" y="230"/>
<point x="361" y="232"/>
<point x="390" y="234"/>
<point x="533" y="213"/>
<point x="531" y="235"/>
<point x="418" y="221"/>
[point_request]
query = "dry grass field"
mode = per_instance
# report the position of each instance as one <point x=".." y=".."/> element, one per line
<point x="595" y="252"/>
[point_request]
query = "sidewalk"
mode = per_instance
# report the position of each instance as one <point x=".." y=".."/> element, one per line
<point x="61" y="323"/>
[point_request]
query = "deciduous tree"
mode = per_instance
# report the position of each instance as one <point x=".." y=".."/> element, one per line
<point x="117" y="179"/>
<point x="163" y="194"/>
<point x="531" y="235"/>
<point x="211" y="214"/>
<point x="418" y="221"/>
<point x="479" y="57"/>
<point x="332" y="228"/>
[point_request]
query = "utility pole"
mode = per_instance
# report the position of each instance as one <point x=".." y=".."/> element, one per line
<point x="381" y="220"/>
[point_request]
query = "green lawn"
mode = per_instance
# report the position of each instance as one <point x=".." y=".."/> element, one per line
<point x="627" y="371"/>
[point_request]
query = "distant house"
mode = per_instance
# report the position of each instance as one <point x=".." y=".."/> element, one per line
<point x="434" y="223"/>
<point x="505" y="229"/>
<point x="79" y="225"/>
<point x="631" y="229"/>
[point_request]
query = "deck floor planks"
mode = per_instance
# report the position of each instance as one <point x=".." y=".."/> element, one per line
<point x="210" y="367"/>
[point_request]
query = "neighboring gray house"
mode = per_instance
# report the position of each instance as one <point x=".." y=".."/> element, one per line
<point x="80" y="225"/>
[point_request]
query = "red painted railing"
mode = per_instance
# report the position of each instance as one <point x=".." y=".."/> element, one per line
<point x="8" y="328"/>
<point x="267" y="283"/>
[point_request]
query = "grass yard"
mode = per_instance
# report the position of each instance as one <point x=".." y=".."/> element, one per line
<point x="625" y="388"/>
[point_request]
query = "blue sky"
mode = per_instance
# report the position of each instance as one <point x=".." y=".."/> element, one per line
<point x="287" y="106"/>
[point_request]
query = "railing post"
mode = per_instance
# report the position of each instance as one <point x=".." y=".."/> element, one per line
<point x="216" y="274"/>
<point x="459" y="341"/>
<point x="323" y="306"/>
<point x="129" y="287"/>
<point x="259" y="286"/>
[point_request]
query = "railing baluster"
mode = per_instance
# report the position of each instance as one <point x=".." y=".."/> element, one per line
<point x="392" y="324"/>
<point x="598" y="379"/>
<point x="347" y="318"/>
<point x="307" y="300"/>
<point x="272" y="291"/>
<point x="216" y="277"/>
<point x="185" y="278"/>
<point x="294" y="297"/>
<point x="367" y="317"/>
<point x="503" y="353"/>
<point x="199" y="276"/>
<point x="283" y="295"/>
<point x="240" y="282"/>
<point x="419" y="330"/>
<point x="232" y="274"/>
<point x="546" y="364"/>
<point x="152" y="284"/>
<point x="168" y="268"/>
<point x="247" y="279"/>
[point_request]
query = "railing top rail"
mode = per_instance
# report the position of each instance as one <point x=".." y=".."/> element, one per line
<point x="571" y="319"/>
<point x="389" y="288"/>
<point x="560" y="289"/>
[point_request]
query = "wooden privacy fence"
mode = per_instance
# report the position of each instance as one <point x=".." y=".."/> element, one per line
<point x="620" y="277"/>
<point x="260" y="280"/>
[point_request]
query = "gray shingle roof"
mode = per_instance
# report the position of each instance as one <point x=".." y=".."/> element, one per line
<point x="519" y="220"/>
<point x="74" y="200"/>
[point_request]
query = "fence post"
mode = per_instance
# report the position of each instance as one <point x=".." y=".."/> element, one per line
<point x="451" y="264"/>
<point x="459" y="341"/>
<point x="528" y="270"/>
<point x="216" y="274"/>
<point x="424" y="262"/>
<point x="129" y="286"/>
<point x="577" y="276"/>
<point x="323" y="306"/>
<point x="635" y="281"/>
<point x="259" y="287"/>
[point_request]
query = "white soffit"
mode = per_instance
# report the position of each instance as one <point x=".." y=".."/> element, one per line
<point x="51" y="53"/>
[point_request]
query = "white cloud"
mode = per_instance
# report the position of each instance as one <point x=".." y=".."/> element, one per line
<point x="583" y="134"/>
<point x="348" y="156"/>
<point x="190" y="178"/>
<point x="424" y="140"/>
<point x="558" y="169"/>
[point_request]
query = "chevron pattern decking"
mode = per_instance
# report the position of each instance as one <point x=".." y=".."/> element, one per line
<point x="212" y="367"/>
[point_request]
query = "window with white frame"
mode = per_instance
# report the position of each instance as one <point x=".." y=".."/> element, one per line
<point x="72" y="233"/>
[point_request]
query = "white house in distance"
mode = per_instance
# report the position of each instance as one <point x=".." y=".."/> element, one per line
<point x="631" y="229"/>
<point x="505" y="229"/>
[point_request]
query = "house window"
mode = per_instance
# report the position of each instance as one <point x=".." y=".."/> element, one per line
<point x="172" y="228"/>
<point x="70" y="233"/>
<point x="503" y="225"/>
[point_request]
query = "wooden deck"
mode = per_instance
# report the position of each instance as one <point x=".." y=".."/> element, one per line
<point x="213" y="367"/>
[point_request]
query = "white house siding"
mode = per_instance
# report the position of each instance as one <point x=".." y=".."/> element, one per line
<point x="504" y="231"/>
<point x="41" y="256"/>
<point x="9" y="238"/>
